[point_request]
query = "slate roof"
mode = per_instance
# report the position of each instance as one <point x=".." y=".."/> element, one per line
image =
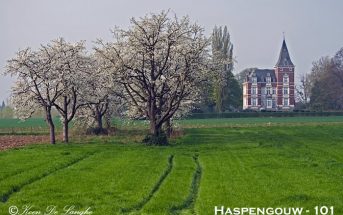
<point x="284" y="58"/>
<point x="262" y="74"/>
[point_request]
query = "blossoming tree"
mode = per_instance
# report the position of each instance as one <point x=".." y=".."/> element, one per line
<point x="50" y="77"/>
<point x="159" y="61"/>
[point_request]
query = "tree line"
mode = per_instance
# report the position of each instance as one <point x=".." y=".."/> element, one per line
<point x="162" y="67"/>
<point x="322" y="88"/>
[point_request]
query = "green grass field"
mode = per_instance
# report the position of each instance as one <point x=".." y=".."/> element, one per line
<point x="288" y="162"/>
<point x="29" y="126"/>
<point x="38" y="125"/>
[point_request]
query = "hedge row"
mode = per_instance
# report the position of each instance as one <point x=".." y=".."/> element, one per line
<point x="260" y="114"/>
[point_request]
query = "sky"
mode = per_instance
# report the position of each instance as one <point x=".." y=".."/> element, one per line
<point x="312" y="28"/>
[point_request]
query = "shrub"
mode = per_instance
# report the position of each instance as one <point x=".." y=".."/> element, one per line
<point x="161" y="139"/>
<point x="96" y="131"/>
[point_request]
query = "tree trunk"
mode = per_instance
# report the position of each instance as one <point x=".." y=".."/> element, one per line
<point x="153" y="128"/>
<point x="99" y="119"/>
<point x="65" y="121"/>
<point x="52" y="133"/>
<point x="168" y="128"/>
<point x="65" y="131"/>
<point x="219" y="98"/>
<point x="152" y="116"/>
<point x="51" y="125"/>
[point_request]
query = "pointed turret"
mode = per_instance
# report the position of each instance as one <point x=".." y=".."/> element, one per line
<point x="284" y="59"/>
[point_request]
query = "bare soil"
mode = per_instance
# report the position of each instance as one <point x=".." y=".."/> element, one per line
<point x="14" y="141"/>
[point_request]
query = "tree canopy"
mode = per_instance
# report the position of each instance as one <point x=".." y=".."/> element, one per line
<point x="324" y="85"/>
<point x="160" y="62"/>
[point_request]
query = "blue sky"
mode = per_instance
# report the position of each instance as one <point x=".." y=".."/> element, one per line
<point x="312" y="27"/>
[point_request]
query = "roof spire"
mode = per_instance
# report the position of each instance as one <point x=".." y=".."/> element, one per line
<point x="283" y="35"/>
<point x="284" y="58"/>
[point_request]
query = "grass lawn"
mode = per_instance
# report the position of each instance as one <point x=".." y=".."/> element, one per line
<point x="262" y="164"/>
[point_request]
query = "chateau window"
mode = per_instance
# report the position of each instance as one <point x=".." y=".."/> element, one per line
<point x="268" y="79"/>
<point x="254" y="91"/>
<point x="254" y="102"/>
<point x="269" y="103"/>
<point x="268" y="90"/>
<point x="285" y="91"/>
<point x="285" y="79"/>
<point x="285" y="102"/>
<point x="274" y="90"/>
<point x="290" y="69"/>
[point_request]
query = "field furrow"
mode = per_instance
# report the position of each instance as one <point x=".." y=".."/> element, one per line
<point x="14" y="188"/>
<point x="175" y="188"/>
<point x="138" y="206"/>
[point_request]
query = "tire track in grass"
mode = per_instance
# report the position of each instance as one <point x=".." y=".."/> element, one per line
<point x="20" y="171"/>
<point x="145" y="200"/>
<point x="16" y="173"/>
<point x="189" y="203"/>
<point x="15" y="189"/>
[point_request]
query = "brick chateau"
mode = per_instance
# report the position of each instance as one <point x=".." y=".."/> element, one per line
<point x="271" y="89"/>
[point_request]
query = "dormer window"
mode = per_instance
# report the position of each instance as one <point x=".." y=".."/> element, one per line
<point x="254" y="79"/>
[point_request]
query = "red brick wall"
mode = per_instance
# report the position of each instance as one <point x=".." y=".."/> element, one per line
<point x="279" y="75"/>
